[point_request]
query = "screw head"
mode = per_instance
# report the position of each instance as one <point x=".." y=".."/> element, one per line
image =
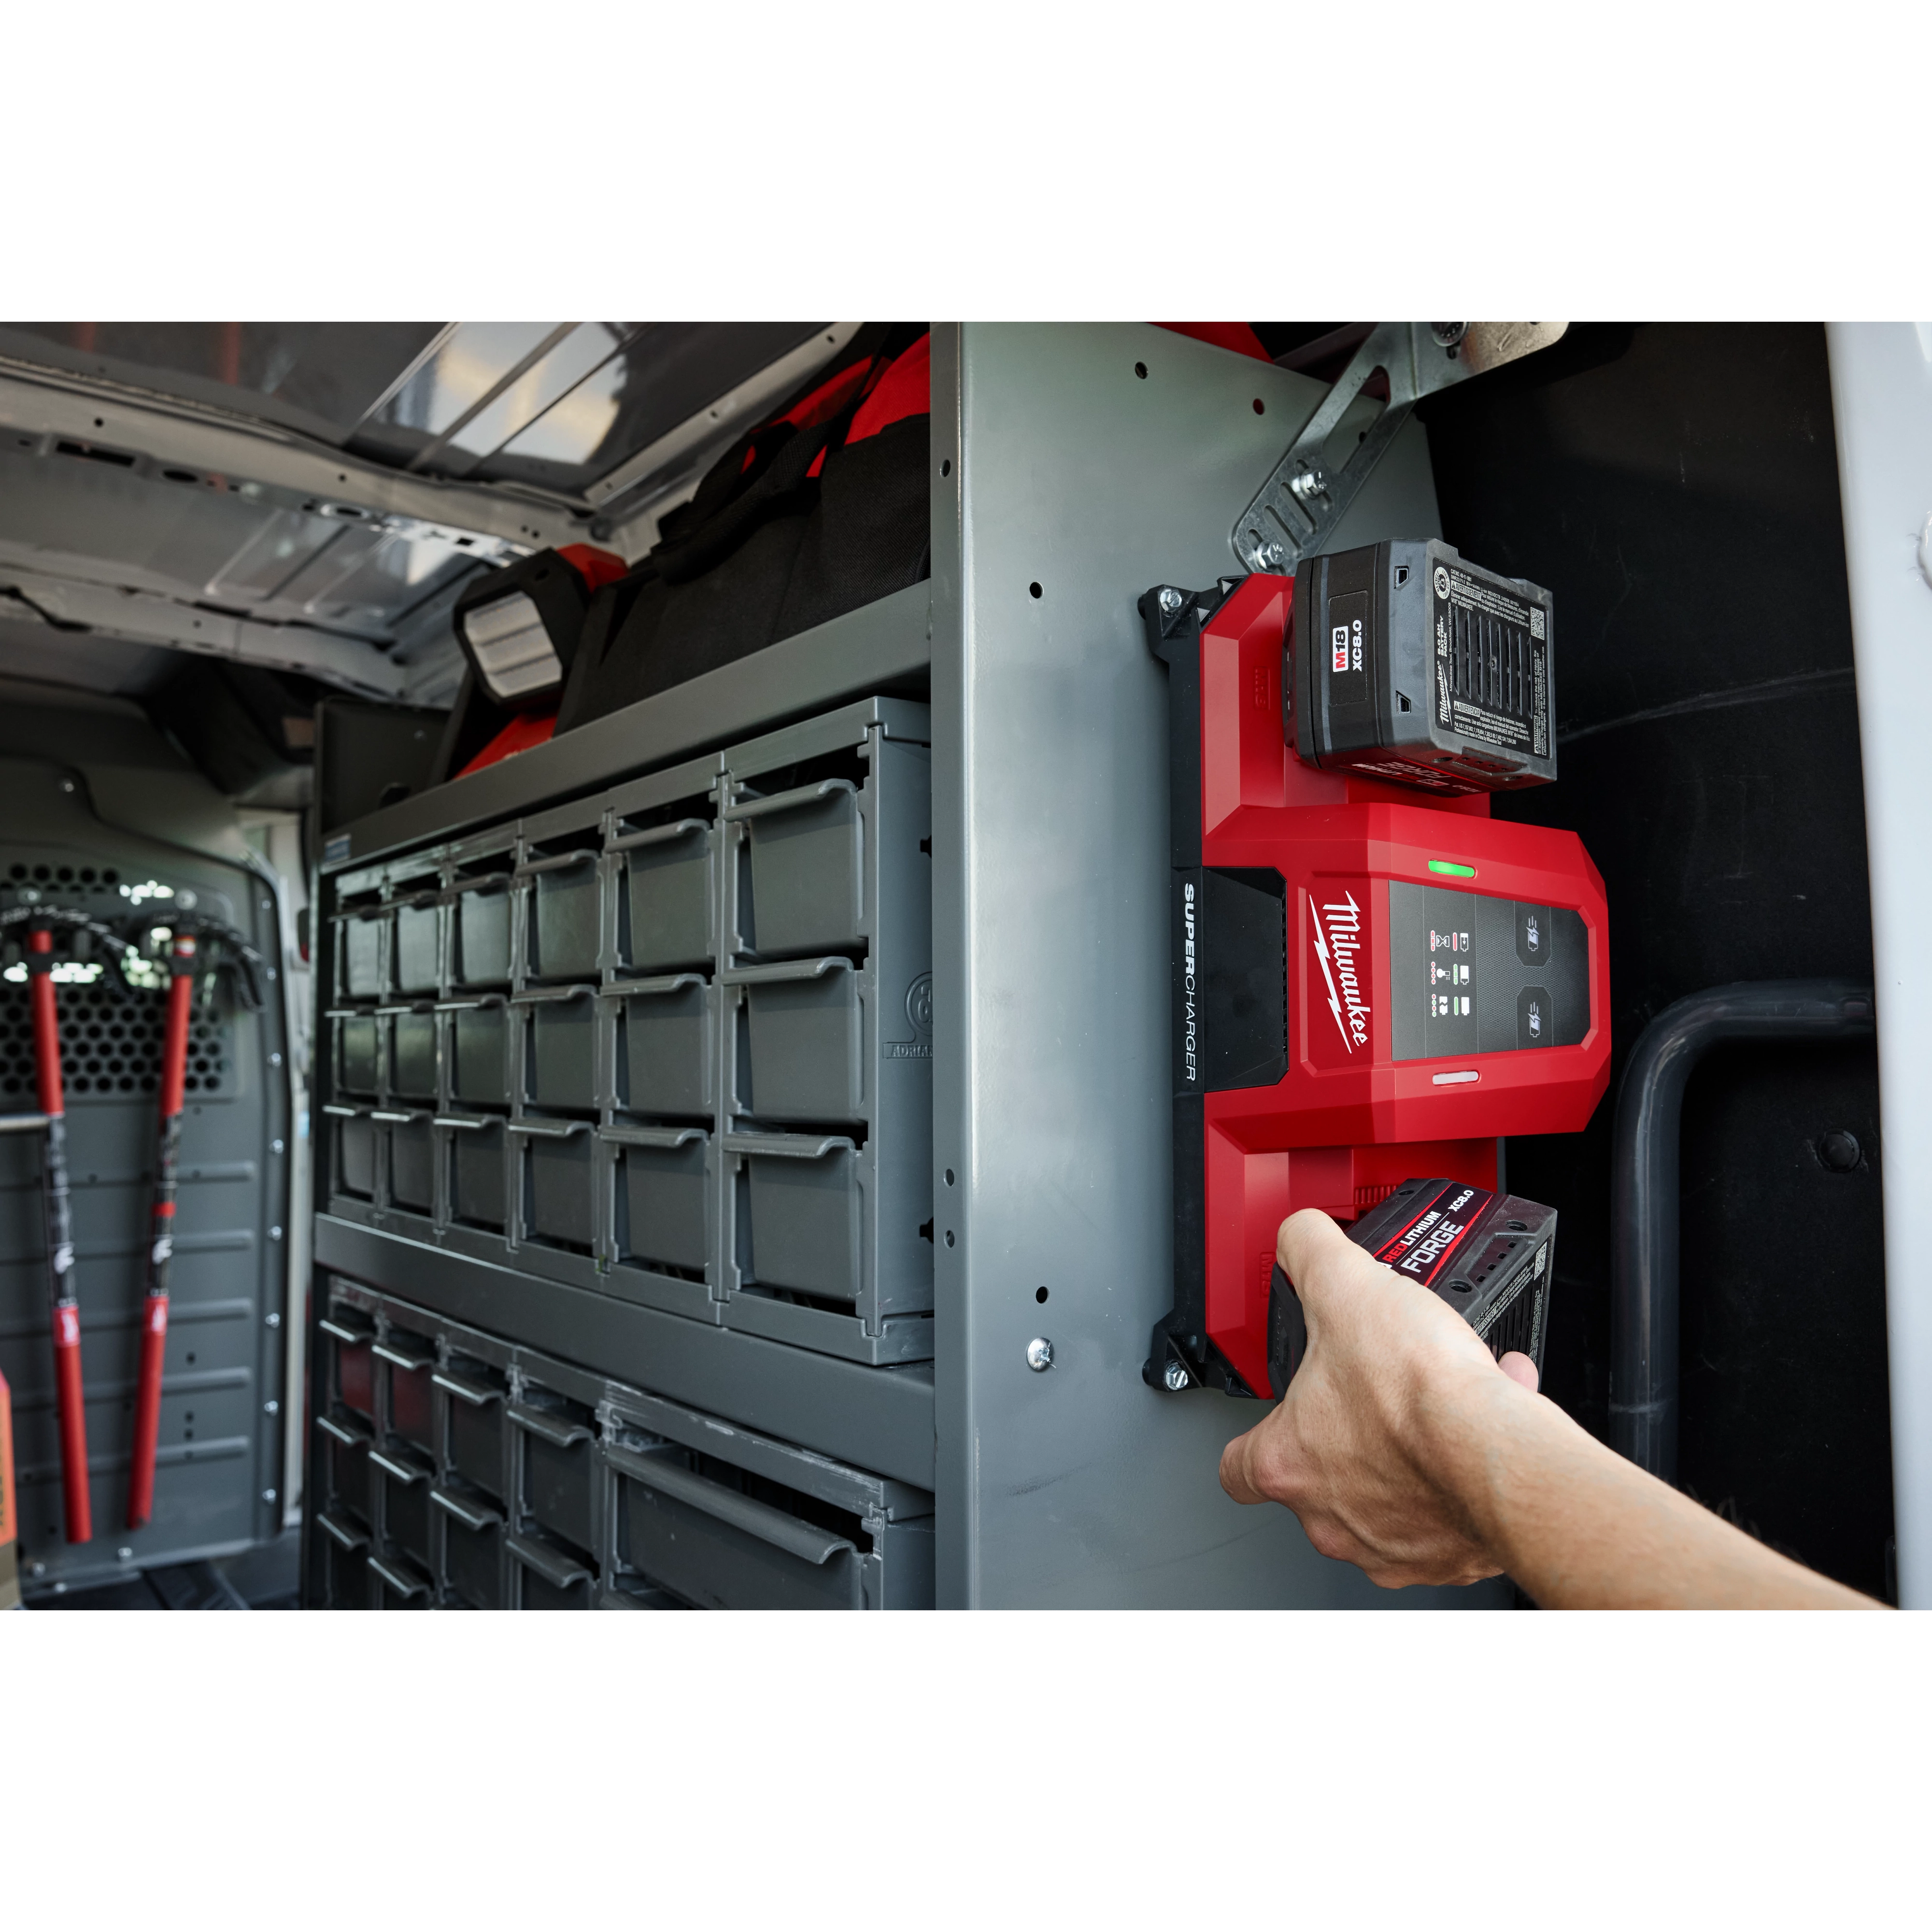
<point x="1310" y="483"/>
<point x="1170" y="600"/>
<point x="1839" y="1150"/>
<point x="126" y="1554"/>
<point x="271" y="1409"/>
<point x="1448" y="334"/>
<point x="1040" y="1354"/>
<point x="1174" y="1375"/>
<point x="185" y="899"/>
<point x="268" y="1495"/>
<point x="273" y="1320"/>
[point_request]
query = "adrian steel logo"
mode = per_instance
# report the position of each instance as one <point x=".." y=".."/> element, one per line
<point x="1339" y="941"/>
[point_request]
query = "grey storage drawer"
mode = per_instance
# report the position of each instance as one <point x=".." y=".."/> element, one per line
<point x="560" y="1061"/>
<point x="353" y="1169"/>
<point x="567" y="923"/>
<point x="480" y="935"/>
<point x="412" y="1360"/>
<point x="559" y="1169"/>
<point x="805" y="1061"/>
<point x="805" y="1217"/>
<point x="479" y="1053"/>
<point x="413" y="1163"/>
<point x="669" y="884"/>
<point x="346" y="1449"/>
<point x="557" y="1490"/>
<point x="473" y="1550"/>
<point x="412" y="1055"/>
<point x="358" y="1056"/>
<point x="806" y="886"/>
<point x="720" y="1548"/>
<point x="666" y="1053"/>
<point x="418" y="931"/>
<point x="406" y="1487"/>
<point x="360" y="961"/>
<point x="477" y="1185"/>
<point x="664" y="1195"/>
<point x="547" y="1577"/>
<point x="475" y="1442"/>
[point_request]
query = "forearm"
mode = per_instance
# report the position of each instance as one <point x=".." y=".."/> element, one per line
<point x="1577" y="1526"/>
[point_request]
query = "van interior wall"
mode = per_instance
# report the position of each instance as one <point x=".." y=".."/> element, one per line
<point x="1676" y="486"/>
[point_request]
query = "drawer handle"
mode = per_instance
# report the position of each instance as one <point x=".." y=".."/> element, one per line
<point x="481" y="1000"/>
<point x="478" y="1395"/>
<point x="788" y="801"/>
<point x="558" y="1429"/>
<point x="549" y="1130"/>
<point x="659" y="835"/>
<point x="563" y="862"/>
<point x="552" y="1565"/>
<point x="785" y="969"/>
<point x="342" y="1113"/>
<point x="465" y="1122"/>
<point x="400" y="1581"/>
<point x="472" y="1515"/>
<point x="411" y="1006"/>
<point x="789" y="1147"/>
<point x="394" y="1119"/>
<point x="345" y="1433"/>
<point x="638" y="989"/>
<point x="405" y="1473"/>
<point x="804" y="1539"/>
<point x="345" y="1535"/>
<point x="651" y="1137"/>
<point x="392" y="1351"/>
<point x="549" y="996"/>
<point x="342" y="1332"/>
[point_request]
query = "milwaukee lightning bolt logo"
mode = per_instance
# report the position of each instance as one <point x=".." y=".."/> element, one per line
<point x="1338" y="946"/>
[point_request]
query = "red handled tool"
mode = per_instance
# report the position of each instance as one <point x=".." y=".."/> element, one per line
<point x="60" y="1240"/>
<point x="161" y="1234"/>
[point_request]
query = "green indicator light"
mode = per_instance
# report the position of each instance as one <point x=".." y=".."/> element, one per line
<point x="1449" y="868"/>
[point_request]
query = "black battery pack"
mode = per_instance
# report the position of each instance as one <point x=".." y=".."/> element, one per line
<point x="1407" y="663"/>
<point x="1491" y="1257"/>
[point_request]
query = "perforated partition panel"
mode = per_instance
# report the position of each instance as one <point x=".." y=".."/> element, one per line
<point x="219" y="1483"/>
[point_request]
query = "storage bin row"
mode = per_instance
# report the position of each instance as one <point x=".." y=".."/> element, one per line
<point x="451" y="1468"/>
<point x="650" y="1049"/>
<point x="642" y="1197"/>
<point x="599" y="897"/>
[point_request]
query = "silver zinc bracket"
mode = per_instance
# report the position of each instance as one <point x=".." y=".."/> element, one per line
<point x="1306" y="496"/>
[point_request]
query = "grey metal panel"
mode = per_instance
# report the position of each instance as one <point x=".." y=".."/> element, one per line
<point x="1065" y="470"/>
<point x="879" y="1419"/>
<point x="881" y="645"/>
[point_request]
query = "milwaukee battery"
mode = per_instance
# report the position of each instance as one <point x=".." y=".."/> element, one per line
<point x="1407" y="663"/>
<point x="1491" y="1257"/>
<point x="1369" y="982"/>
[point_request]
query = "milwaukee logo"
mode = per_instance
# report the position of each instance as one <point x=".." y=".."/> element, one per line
<point x="1338" y="946"/>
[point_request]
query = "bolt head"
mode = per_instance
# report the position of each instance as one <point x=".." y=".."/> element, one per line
<point x="1448" y="334"/>
<point x="126" y="1554"/>
<point x="1170" y="600"/>
<point x="271" y="1409"/>
<point x="1040" y="1354"/>
<point x="268" y="1495"/>
<point x="1174" y="1375"/>
<point x="274" y="1321"/>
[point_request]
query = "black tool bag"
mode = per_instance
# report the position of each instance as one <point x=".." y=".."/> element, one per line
<point x="791" y="527"/>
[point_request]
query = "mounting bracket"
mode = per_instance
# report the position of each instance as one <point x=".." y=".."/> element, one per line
<point x="1303" y="499"/>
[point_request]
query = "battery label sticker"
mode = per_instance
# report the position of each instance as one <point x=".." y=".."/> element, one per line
<point x="1492" y="662"/>
<point x="1422" y="1248"/>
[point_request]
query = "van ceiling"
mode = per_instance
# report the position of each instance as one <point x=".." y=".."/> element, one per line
<point x="310" y="497"/>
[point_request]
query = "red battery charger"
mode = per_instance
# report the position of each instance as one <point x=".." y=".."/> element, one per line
<point x="1370" y="982"/>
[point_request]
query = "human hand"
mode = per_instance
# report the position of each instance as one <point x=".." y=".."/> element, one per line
<point x="1392" y="1390"/>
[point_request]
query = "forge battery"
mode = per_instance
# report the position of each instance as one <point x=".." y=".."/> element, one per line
<point x="1491" y="1257"/>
